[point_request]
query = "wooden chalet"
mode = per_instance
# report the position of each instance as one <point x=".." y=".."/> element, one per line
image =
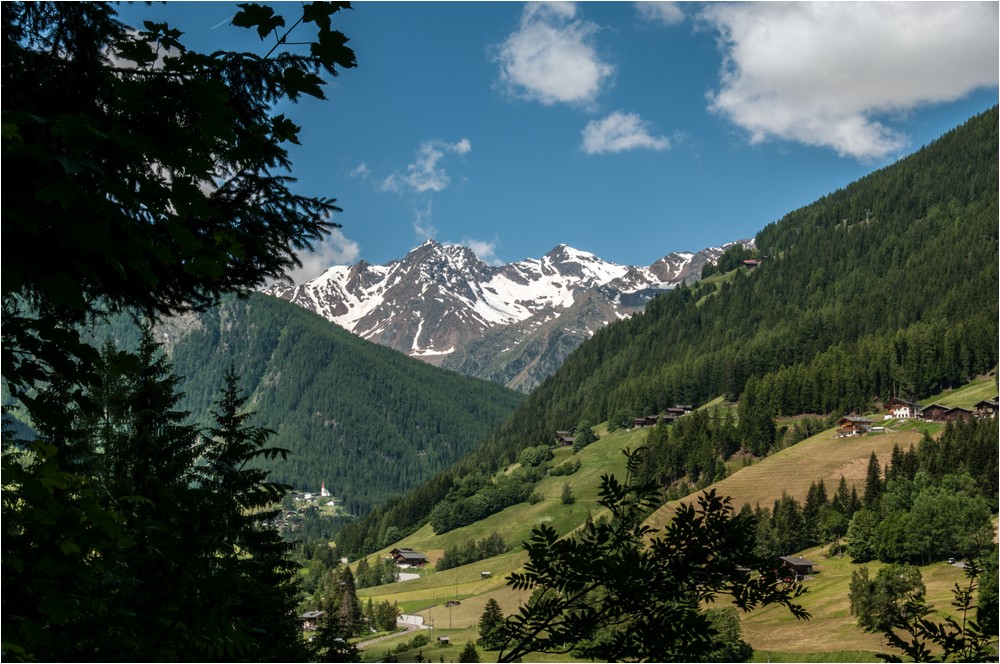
<point x="957" y="413"/>
<point x="934" y="412"/>
<point x="901" y="409"/>
<point x="751" y="263"/>
<point x="408" y="557"/>
<point x="668" y="416"/>
<point x="850" y="425"/>
<point x="565" y="437"/>
<point x="797" y="565"/>
<point x="987" y="408"/>
<point x="648" y="421"/>
<point x="310" y="620"/>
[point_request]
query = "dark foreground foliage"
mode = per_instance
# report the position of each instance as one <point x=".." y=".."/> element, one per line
<point x="622" y="591"/>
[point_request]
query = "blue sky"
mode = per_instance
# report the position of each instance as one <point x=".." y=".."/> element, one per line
<point x="629" y="130"/>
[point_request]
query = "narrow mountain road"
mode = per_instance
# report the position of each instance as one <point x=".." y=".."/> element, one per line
<point x="406" y="630"/>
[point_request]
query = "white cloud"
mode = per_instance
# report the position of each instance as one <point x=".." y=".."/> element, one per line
<point x="667" y="13"/>
<point x="551" y="58"/>
<point x="486" y="250"/>
<point x="361" y="171"/>
<point x="822" y="73"/>
<point x="620" y="132"/>
<point x="422" y="225"/>
<point x="337" y="249"/>
<point x="425" y="173"/>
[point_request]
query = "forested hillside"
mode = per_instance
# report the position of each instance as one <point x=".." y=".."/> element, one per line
<point x="368" y="421"/>
<point x="886" y="287"/>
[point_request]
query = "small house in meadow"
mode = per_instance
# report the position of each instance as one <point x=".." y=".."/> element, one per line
<point x="797" y="565"/>
<point x="408" y="557"/>
<point x="850" y="425"/>
<point x="901" y="409"/>
<point x="565" y="437"/>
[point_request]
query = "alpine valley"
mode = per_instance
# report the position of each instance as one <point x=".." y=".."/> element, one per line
<point x="511" y="324"/>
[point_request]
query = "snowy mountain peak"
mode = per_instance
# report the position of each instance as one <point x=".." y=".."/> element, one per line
<point x="440" y="298"/>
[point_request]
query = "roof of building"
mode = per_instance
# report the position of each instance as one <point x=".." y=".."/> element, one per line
<point x="902" y="401"/>
<point x="409" y="554"/>
<point x="798" y="561"/>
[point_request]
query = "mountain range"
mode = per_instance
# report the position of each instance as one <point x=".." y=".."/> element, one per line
<point x="512" y="324"/>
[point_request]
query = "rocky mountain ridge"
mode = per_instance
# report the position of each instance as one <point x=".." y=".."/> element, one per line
<point x="512" y="324"/>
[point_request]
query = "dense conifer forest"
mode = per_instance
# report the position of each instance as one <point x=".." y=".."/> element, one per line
<point x="886" y="287"/>
<point x="367" y="420"/>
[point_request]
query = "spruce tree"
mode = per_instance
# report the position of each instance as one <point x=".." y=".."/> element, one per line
<point x="257" y="578"/>
<point x="341" y="597"/>
<point x="469" y="653"/>
<point x="873" y="484"/>
<point x="490" y="623"/>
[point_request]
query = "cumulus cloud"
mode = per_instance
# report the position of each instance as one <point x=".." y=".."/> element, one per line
<point x="361" y="171"/>
<point x="551" y="57"/>
<point x="620" y="132"/>
<point x="486" y="250"/>
<point x="667" y="13"/>
<point x="425" y="173"/>
<point x="824" y="74"/>
<point x="337" y="249"/>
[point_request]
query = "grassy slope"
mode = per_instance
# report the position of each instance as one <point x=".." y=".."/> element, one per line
<point x="831" y="632"/>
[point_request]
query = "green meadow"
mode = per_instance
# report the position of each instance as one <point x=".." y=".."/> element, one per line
<point x="830" y="635"/>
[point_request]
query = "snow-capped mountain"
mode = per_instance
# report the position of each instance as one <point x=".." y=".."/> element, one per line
<point x="440" y="302"/>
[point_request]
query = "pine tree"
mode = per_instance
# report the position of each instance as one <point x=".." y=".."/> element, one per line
<point x="874" y="486"/>
<point x="342" y="598"/>
<point x="259" y="579"/>
<point x="364" y="574"/>
<point x="190" y="545"/>
<point x="490" y="622"/>
<point x="469" y="653"/>
<point x="816" y="502"/>
<point x="331" y="641"/>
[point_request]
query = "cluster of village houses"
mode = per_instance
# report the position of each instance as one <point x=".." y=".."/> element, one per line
<point x="901" y="409"/>
<point x="668" y="416"/>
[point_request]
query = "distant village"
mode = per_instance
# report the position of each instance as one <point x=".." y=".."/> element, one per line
<point x="300" y="506"/>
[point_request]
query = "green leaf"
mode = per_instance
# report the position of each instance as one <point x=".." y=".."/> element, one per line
<point x="298" y="82"/>
<point x="331" y="49"/>
<point x="261" y="17"/>
<point x="320" y="12"/>
<point x="283" y="129"/>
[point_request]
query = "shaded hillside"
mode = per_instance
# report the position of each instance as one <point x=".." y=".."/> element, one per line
<point x="368" y="421"/>
<point x="888" y="286"/>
